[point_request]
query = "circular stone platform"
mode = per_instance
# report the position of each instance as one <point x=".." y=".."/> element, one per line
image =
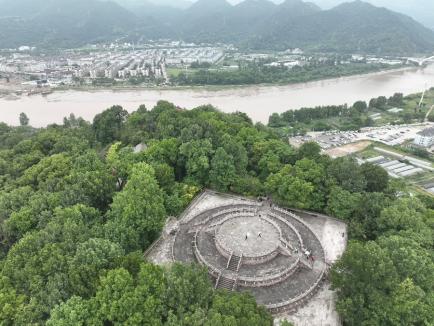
<point x="250" y="237"/>
<point x="281" y="262"/>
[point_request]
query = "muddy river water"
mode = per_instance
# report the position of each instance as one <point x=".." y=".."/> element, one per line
<point x="257" y="101"/>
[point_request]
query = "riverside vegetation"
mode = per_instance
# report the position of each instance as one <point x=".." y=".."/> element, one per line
<point x="356" y="116"/>
<point x="78" y="206"/>
<point x="258" y="73"/>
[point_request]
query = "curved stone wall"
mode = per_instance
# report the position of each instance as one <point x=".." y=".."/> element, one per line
<point x="273" y="265"/>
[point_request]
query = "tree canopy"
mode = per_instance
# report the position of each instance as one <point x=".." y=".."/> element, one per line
<point x="78" y="206"/>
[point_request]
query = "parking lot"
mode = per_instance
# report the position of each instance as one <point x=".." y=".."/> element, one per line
<point x="388" y="135"/>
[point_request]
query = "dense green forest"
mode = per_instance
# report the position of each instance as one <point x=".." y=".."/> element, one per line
<point x="78" y="206"/>
<point x="258" y="73"/>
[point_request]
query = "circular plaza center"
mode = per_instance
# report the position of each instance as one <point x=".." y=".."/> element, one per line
<point x="250" y="237"/>
<point x="255" y="247"/>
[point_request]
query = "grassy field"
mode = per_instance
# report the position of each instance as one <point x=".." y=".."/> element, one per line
<point x="174" y="72"/>
<point x="369" y="152"/>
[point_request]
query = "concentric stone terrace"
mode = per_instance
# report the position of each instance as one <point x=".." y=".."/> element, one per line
<point x="252" y="238"/>
<point x="255" y="247"/>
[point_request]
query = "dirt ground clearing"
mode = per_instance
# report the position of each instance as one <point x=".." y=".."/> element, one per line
<point x="348" y="149"/>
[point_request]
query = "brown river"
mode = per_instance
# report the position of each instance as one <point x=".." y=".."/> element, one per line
<point x="259" y="102"/>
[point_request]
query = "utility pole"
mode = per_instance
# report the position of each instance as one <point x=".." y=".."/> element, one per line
<point x="423" y="96"/>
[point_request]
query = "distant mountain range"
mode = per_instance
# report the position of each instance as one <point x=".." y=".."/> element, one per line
<point x="63" y="23"/>
<point x="421" y="10"/>
<point x="257" y="24"/>
<point x="178" y="4"/>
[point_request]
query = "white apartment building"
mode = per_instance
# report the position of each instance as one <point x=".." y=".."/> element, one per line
<point x="425" y="138"/>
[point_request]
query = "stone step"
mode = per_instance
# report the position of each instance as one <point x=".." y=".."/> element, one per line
<point x="233" y="263"/>
<point x="225" y="283"/>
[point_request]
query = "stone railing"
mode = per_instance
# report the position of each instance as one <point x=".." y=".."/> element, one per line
<point x="221" y="249"/>
<point x="274" y="224"/>
<point x="153" y="245"/>
<point x="281" y="219"/>
<point x="232" y="210"/>
<point x="298" y="219"/>
<point x="235" y="285"/>
<point x="230" y="216"/>
<point x="239" y="262"/>
<point x="286" y="247"/>
<point x="269" y="280"/>
<point x="292" y="215"/>
<point x="217" y="280"/>
<point x="173" y="247"/>
<point x="247" y="260"/>
<point x="229" y="260"/>
<point x="292" y="303"/>
<point x="257" y="259"/>
<point x="211" y="269"/>
<point x="309" y="228"/>
<point x="235" y="197"/>
<point x="260" y="259"/>
<point x="183" y="217"/>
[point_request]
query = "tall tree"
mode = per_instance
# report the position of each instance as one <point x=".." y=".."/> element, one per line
<point x="237" y="151"/>
<point x="24" y="120"/>
<point x="347" y="174"/>
<point x="406" y="216"/>
<point x="108" y="124"/>
<point x="137" y="213"/>
<point x="120" y="161"/>
<point x="195" y="156"/>
<point x="246" y="312"/>
<point x="342" y="203"/>
<point x="122" y="300"/>
<point x="188" y="288"/>
<point x="408" y="305"/>
<point x="92" y="259"/>
<point x="314" y="173"/>
<point x="310" y="150"/>
<point x="222" y="174"/>
<point x="363" y="278"/>
<point x="377" y="179"/>
<point x="360" y="106"/>
<point x="289" y="190"/>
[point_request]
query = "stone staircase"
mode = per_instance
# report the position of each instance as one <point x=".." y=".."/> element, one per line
<point x="234" y="263"/>
<point x="225" y="283"/>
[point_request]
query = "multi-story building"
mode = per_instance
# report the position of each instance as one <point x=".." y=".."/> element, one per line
<point x="425" y="138"/>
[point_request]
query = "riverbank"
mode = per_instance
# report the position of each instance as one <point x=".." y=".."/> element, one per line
<point x="11" y="92"/>
<point x="217" y="88"/>
<point x="259" y="102"/>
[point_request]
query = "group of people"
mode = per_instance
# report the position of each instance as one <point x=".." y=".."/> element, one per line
<point x="309" y="255"/>
<point x="259" y="236"/>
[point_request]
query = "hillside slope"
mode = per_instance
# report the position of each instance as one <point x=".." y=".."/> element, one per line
<point x="258" y="24"/>
<point x="59" y="23"/>
<point x="350" y="27"/>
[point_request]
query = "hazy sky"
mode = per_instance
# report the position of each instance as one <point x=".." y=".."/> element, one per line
<point x="421" y="10"/>
<point x="237" y="1"/>
<point x="330" y="3"/>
